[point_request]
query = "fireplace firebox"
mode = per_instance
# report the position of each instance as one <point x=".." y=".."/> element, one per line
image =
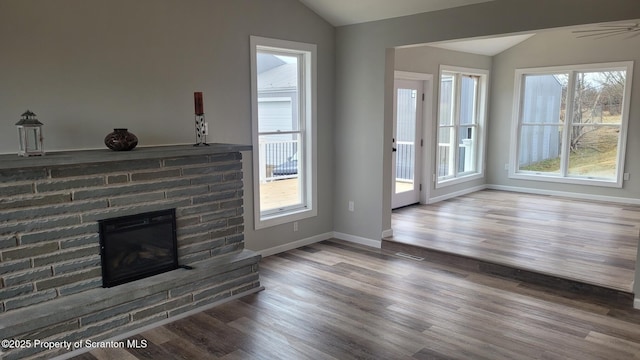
<point x="137" y="246"/>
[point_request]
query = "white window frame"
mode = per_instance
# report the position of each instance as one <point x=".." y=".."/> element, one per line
<point x="307" y="54"/>
<point x="481" y="109"/>
<point x="563" y="176"/>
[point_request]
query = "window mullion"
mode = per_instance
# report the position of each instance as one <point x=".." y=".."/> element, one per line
<point x="302" y="116"/>
<point x="456" y="124"/>
<point x="567" y="128"/>
<point x="476" y="121"/>
<point x="520" y="91"/>
<point x="279" y="132"/>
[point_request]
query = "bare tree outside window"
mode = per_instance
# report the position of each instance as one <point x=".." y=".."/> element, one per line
<point x="596" y="121"/>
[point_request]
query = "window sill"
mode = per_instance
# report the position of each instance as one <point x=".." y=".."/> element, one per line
<point x="566" y="180"/>
<point x="263" y="222"/>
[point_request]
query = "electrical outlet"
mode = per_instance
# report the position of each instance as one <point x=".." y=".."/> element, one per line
<point x="295" y="226"/>
<point x="626" y="176"/>
<point x="352" y="205"/>
<point x="506" y="167"/>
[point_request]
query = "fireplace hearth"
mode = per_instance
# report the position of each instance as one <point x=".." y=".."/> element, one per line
<point x="137" y="246"/>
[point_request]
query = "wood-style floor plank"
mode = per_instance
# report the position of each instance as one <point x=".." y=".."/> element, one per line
<point x="372" y="304"/>
<point x="587" y="241"/>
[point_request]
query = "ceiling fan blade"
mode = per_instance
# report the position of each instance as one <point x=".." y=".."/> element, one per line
<point x="604" y="34"/>
<point x="610" y="35"/>
<point x="608" y="30"/>
<point x="637" y="33"/>
<point x="601" y="30"/>
<point x="621" y="26"/>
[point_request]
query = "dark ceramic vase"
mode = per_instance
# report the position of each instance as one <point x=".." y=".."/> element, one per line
<point x="121" y="140"/>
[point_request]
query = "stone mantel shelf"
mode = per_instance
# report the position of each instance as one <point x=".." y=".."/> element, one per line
<point x="75" y="157"/>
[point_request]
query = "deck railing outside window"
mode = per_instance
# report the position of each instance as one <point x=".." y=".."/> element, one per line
<point x="447" y="162"/>
<point x="278" y="160"/>
<point x="405" y="155"/>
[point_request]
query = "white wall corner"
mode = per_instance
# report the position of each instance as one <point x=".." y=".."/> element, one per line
<point x="295" y="244"/>
<point x="387" y="233"/>
<point x="358" y="240"/>
<point x="452" y="195"/>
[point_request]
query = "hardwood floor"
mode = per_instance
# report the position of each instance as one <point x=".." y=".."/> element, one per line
<point x="591" y="242"/>
<point x="333" y="300"/>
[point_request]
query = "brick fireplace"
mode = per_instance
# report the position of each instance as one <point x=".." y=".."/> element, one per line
<point x="51" y="285"/>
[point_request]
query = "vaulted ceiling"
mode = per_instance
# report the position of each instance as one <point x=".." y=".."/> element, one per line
<point x="347" y="12"/>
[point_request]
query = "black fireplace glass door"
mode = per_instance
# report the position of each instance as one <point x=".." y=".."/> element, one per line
<point x="134" y="247"/>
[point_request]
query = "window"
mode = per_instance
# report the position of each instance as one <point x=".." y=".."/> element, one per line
<point x="570" y="123"/>
<point x="283" y="78"/>
<point x="461" y="116"/>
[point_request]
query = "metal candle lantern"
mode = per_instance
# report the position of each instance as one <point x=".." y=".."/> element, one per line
<point x="201" y="126"/>
<point x="30" y="135"/>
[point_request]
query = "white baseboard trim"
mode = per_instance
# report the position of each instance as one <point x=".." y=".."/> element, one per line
<point x="452" y="195"/>
<point x="387" y="233"/>
<point x="572" y="195"/>
<point x="295" y="244"/>
<point x="321" y="237"/>
<point x="154" y="325"/>
<point x="358" y="240"/>
<point x="636" y="303"/>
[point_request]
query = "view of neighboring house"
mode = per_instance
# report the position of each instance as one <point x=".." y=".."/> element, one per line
<point x="541" y="105"/>
<point x="278" y="113"/>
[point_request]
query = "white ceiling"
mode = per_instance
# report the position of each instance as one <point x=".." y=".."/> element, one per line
<point x="347" y="12"/>
<point x="489" y="46"/>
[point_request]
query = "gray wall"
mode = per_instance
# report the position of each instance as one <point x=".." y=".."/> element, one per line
<point x="364" y="90"/>
<point x="562" y="48"/>
<point x="551" y="48"/>
<point x="364" y="95"/>
<point x="88" y="66"/>
<point x="546" y="48"/>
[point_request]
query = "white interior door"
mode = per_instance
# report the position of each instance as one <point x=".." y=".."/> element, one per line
<point x="407" y="142"/>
